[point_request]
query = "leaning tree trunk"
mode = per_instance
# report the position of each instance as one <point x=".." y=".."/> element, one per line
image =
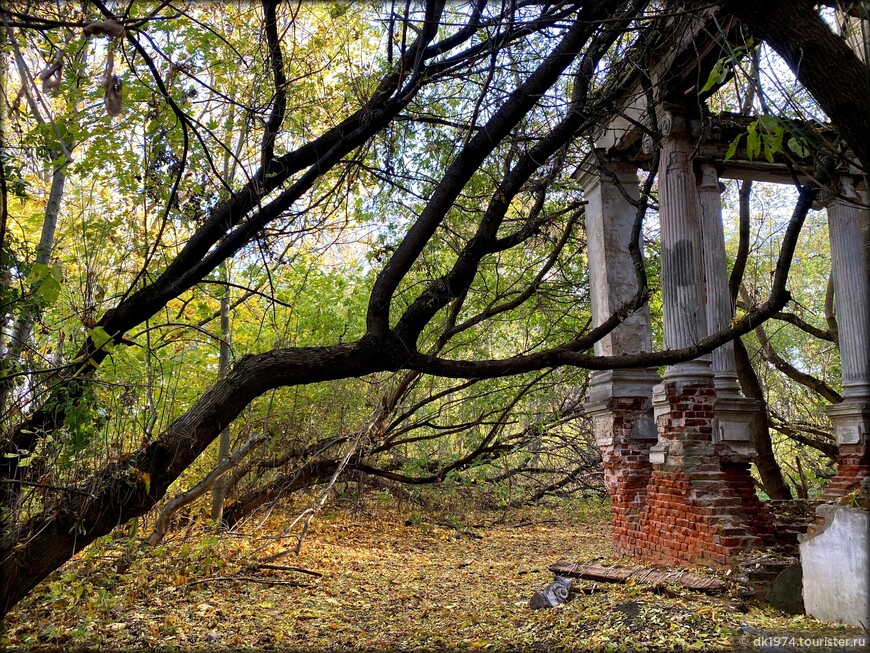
<point x="765" y="462"/>
<point x="126" y="489"/>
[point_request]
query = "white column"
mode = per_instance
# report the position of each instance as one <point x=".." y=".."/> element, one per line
<point x="850" y="259"/>
<point x="851" y="291"/>
<point x="720" y="310"/>
<point x="856" y="32"/>
<point x="610" y="217"/>
<point x="683" y="300"/>
<point x="732" y="425"/>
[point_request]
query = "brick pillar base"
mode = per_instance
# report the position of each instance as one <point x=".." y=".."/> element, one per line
<point x="851" y="420"/>
<point x="853" y="465"/>
<point x="620" y="405"/>
<point x="694" y="512"/>
<point x="625" y="452"/>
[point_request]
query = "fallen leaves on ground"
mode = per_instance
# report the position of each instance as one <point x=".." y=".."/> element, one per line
<point x="389" y="580"/>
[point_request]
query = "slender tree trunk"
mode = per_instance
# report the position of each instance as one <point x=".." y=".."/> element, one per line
<point x="830" y="313"/>
<point x="220" y="486"/>
<point x="29" y="312"/>
<point x="23" y="325"/>
<point x="768" y="469"/>
<point x="219" y="492"/>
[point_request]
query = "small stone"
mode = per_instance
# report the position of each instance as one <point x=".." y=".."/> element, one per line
<point x="539" y="601"/>
<point x="212" y="637"/>
<point x="786" y="592"/>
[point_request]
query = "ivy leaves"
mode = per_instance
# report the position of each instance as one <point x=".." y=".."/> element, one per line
<point x="765" y="136"/>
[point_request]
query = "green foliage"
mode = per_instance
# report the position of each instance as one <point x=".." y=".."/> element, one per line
<point x="45" y="282"/>
<point x="723" y="66"/>
<point x="765" y="136"/>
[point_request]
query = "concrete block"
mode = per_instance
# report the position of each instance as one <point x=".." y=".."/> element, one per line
<point x="836" y="567"/>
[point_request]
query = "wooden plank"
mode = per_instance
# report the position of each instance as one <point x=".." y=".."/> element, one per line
<point x="615" y="574"/>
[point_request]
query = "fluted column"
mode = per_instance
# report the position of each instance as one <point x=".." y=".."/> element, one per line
<point x="847" y="230"/>
<point x="697" y="508"/>
<point x="855" y="31"/>
<point x="732" y="426"/>
<point x="610" y="216"/>
<point x="849" y="261"/>
<point x="683" y="301"/>
<point x="720" y="310"/>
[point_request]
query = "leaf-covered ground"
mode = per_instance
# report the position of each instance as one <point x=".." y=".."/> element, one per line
<point x="390" y="579"/>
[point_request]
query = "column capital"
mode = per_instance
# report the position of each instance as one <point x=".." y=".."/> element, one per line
<point x="671" y="121"/>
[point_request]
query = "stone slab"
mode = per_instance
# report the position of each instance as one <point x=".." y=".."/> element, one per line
<point x="836" y="567"/>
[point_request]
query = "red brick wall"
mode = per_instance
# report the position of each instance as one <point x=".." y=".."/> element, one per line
<point x="694" y="508"/>
<point x="626" y="471"/>
<point x="739" y="479"/>
<point x="853" y="465"/>
<point x="684" y="525"/>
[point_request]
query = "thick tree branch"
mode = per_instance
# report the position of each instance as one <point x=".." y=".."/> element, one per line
<point x="460" y="171"/>
<point x="569" y="353"/>
<point x="279" y="99"/>
<point x="808" y="380"/>
<point x="803" y="325"/>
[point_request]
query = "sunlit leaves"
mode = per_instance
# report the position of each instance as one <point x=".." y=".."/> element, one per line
<point x="723" y="66"/>
<point x="45" y="281"/>
<point x="765" y="136"/>
<point x="100" y="338"/>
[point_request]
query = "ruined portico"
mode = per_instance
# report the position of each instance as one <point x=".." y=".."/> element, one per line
<point x="848" y="226"/>
<point x="677" y="450"/>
